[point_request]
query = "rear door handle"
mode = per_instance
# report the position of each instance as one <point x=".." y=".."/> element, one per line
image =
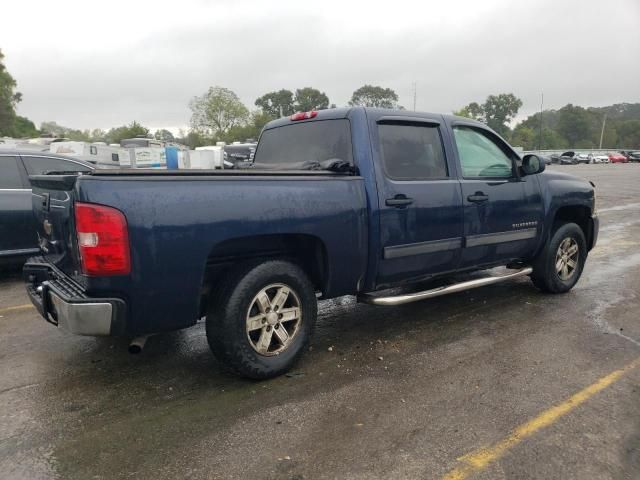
<point x="398" y="201"/>
<point x="478" y="197"/>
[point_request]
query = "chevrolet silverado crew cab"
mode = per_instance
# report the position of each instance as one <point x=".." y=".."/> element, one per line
<point x="337" y="202"/>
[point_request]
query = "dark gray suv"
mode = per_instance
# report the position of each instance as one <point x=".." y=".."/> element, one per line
<point x="18" y="237"/>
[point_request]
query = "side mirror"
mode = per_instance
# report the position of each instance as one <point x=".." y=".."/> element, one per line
<point x="532" y="164"/>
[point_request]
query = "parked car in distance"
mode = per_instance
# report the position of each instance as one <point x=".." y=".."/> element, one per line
<point x="338" y="202"/>
<point x="568" y="158"/>
<point x="632" y="155"/>
<point x="616" y="157"/>
<point x="601" y="158"/>
<point x="18" y="237"/>
<point x="583" y="158"/>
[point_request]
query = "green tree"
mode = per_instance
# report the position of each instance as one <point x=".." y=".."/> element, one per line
<point x="576" y="124"/>
<point x="251" y="130"/>
<point x="473" y="111"/>
<point x="192" y="139"/>
<point x="497" y="111"/>
<point x="500" y="110"/>
<point x="217" y="111"/>
<point x="134" y="129"/>
<point x="98" y="135"/>
<point x="164" y="135"/>
<point x="52" y="128"/>
<point x="524" y="137"/>
<point x="373" y="96"/>
<point x="24" y="128"/>
<point x="308" y="98"/>
<point x="629" y="134"/>
<point x="9" y="98"/>
<point x="276" y="104"/>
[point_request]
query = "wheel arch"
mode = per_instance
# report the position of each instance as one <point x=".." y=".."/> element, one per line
<point x="307" y="251"/>
<point x="578" y="214"/>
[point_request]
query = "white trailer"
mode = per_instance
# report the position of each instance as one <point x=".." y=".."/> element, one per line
<point x="208" y="158"/>
<point x="97" y="153"/>
<point x="146" y="157"/>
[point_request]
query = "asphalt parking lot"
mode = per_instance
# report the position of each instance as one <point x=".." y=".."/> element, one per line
<point x="494" y="383"/>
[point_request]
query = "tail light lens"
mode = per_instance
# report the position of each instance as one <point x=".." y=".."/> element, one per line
<point x="103" y="240"/>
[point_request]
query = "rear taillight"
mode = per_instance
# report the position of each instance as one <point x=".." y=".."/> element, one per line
<point x="103" y="240"/>
<point x="303" y="115"/>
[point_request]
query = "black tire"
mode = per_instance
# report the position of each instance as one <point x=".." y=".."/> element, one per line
<point x="228" y="314"/>
<point x="545" y="275"/>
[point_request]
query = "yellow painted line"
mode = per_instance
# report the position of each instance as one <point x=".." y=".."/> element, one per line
<point x="16" y="308"/>
<point x="480" y="459"/>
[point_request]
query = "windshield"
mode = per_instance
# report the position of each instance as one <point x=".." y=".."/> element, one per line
<point x="319" y="145"/>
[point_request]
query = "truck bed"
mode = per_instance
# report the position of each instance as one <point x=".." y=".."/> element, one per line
<point x="185" y="227"/>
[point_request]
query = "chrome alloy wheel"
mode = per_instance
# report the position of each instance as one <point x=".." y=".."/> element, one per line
<point x="273" y="319"/>
<point x="567" y="258"/>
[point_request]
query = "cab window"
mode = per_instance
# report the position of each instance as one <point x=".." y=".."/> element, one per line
<point x="481" y="155"/>
<point x="412" y="152"/>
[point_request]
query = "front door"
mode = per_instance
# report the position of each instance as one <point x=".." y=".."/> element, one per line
<point x="419" y="199"/>
<point x="502" y="211"/>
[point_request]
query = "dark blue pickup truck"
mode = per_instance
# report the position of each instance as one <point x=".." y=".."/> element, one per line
<point x="337" y="202"/>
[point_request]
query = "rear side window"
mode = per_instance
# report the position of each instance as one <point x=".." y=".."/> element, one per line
<point x="412" y="152"/>
<point x="40" y="165"/>
<point x="303" y="145"/>
<point x="10" y="173"/>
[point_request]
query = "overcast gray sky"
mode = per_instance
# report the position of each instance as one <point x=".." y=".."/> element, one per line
<point x="101" y="64"/>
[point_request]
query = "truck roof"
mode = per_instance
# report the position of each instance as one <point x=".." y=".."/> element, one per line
<point x="335" y="113"/>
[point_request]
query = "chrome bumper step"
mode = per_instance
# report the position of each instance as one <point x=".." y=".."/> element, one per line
<point x="436" y="292"/>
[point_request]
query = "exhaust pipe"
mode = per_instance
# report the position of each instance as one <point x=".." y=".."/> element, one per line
<point x="137" y="344"/>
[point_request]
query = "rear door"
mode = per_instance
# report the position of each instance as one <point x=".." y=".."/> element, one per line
<point x="17" y="232"/>
<point x="502" y="211"/>
<point x="419" y="199"/>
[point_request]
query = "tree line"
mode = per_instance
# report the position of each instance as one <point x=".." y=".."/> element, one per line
<point x="572" y="126"/>
<point x="219" y="115"/>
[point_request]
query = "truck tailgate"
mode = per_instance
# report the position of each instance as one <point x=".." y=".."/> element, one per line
<point x="52" y="201"/>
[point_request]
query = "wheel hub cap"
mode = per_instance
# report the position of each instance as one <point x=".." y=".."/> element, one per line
<point x="567" y="258"/>
<point x="273" y="319"/>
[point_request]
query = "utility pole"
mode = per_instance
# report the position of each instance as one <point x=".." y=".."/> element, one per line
<point x="414" y="96"/>
<point x="604" y="122"/>
<point x="541" y="110"/>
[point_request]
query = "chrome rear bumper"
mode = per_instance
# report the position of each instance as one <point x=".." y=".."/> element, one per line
<point x="64" y="303"/>
<point x="82" y="318"/>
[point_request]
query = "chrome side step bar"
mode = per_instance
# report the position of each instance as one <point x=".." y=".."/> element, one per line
<point x="436" y="292"/>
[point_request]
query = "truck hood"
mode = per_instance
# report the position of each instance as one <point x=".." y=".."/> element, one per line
<point x="549" y="175"/>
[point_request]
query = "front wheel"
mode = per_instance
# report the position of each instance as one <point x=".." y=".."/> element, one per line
<point x="261" y="318"/>
<point x="559" y="266"/>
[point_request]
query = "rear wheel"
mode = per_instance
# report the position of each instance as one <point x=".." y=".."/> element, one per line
<point x="261" y="318"/>
<point x="559" y="266"/>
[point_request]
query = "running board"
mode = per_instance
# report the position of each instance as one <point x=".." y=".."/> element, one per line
<point x="436" y="292"/>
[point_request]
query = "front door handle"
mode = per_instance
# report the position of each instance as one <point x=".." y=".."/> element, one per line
<point x="398" y="201"/>
<point x="478" y="197"/>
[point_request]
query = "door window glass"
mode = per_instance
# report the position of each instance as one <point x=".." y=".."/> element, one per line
<point x="10" y="173"/>
<point x="412" y="152"/>
<point x="40" y="165"/>
<point x="480" y="155"/>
